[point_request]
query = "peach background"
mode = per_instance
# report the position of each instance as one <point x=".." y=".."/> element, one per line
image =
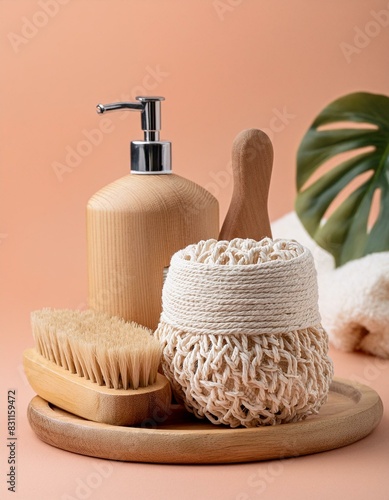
<point x="223" y="66"/>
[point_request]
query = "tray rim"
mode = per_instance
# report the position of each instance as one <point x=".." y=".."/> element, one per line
<point x="368" y="410"/>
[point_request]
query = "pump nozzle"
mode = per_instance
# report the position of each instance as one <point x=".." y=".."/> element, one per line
<point x="102" y="108"/>
<point x="150" y="108"/>
<point x="150" y="155"/>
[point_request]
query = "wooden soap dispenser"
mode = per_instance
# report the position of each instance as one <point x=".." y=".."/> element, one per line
<point x="135" y="224"/>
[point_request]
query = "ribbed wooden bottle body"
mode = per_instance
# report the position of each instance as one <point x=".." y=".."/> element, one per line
<point x="134" y="226"/>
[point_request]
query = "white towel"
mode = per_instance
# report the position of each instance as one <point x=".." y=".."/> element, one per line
<point x="353" y="299"/>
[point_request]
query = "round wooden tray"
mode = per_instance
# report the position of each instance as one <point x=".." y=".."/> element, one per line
<point x="351" y="413"/>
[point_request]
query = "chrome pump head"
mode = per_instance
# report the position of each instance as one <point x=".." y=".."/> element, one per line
<point x="150" y="156"/>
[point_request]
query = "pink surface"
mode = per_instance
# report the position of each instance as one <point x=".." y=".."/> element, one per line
<point x="223" y="66"/>
<point x="358" y="471"/>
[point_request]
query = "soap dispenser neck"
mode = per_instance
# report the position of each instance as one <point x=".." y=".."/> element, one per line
<point x="151" y="135"/>
<point x="150" y="156"/>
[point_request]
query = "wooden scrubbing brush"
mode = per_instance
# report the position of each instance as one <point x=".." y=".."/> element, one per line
<point x="96" y="366"/>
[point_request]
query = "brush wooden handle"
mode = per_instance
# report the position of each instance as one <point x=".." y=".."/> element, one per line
<point x="86" y="399"/>
<point x="252" y="161"/>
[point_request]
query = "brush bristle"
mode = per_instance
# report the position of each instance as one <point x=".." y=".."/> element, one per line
<point x="104" y="349"/>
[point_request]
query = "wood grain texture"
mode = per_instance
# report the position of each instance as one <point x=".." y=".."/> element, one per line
<point x="252" y="162"/>
<point x="134" y="226"/>
<point x="351" y="413"/>
<point x="91" y="401"/>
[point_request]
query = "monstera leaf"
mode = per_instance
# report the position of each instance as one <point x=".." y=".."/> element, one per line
<point x="345" y="234"/>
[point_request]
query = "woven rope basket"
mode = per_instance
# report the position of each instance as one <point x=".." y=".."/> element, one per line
<point x="241" y="333"/>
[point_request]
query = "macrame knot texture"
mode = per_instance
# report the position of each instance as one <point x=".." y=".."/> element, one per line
<point x="241" y="334"/>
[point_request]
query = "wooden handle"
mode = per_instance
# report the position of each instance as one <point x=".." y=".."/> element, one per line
<point x="252" y="161"/>
<point x="88" y="400"/>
